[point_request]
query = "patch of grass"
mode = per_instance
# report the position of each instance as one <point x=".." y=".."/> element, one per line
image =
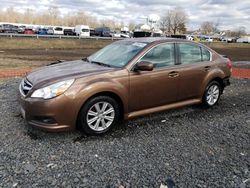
<point x="45" y="43"/>
<point x="227" y="45"/>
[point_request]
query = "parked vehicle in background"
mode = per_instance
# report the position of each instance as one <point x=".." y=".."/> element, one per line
<point x="69" y="31"/>
<point x="228" y="39"/>
<point x="103" y="32"/>
<point x="125" y="34"/>
<point x="29" y="32"/>
<point x="245" y="39"/>
<point x="189" y="37"/>
<point x="21" y="29"/>
<point x="125" y="79"/>
<point x="231" y="39"/>
<point x="1" y="28"/>
<point x="42" y="31"/>
<point x="92" y="32"/>
<point x="58" y="31"/>
<point x="117" y="35"/>
<point x="8" y="28"/>
<point x="141" y="34"/>
<point x="120" y="35"/>
<point x="55" y="31"/>
<point x="82" y="30"/>
<point x="209" y="39"/>
<point x="179" y="36"/>
<point x="50" y="31"/>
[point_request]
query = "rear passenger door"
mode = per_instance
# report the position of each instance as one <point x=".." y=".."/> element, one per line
<point x="194" y="65"/>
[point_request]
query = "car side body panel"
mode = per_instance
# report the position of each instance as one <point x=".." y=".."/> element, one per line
<point x="86" y="88"/>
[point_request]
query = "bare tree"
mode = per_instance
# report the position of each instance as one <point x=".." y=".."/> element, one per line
<point x="174" y="21"/>
<point x="207" y="27"/>
<point x="216" y="26"/>
<point x="54" y="15"/>
<point x="28" y="16"/>
<point x="241" y="31"/>
<point x="131" y="25"/>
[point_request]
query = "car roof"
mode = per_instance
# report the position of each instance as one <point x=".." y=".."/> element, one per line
<point x="155" y="39"/>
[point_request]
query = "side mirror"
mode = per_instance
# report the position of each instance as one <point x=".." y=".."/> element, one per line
<point x="144" y="66"/>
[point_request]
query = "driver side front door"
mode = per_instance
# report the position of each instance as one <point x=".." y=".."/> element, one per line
<point x="149" y="89"/>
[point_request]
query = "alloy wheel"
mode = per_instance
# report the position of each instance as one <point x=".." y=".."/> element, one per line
<point x="213" y="94"/>
<point x="100" y="116"/>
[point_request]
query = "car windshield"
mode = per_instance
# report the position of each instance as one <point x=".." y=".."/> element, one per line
<point x="117" y="54"/>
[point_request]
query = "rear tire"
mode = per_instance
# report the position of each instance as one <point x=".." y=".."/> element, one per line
<point x="99" y="115"/>
<point x="212" y="94"/>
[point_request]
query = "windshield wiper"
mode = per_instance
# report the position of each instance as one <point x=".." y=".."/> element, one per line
<point x="85" y="59"/>
<point x="100" y="63"/>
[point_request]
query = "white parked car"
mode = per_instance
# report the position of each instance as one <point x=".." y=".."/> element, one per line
<point x="55" y="31"/>
<point x="117" y="35"/>
<point x="82" y="30"/>
<point x="190" y="38"/>
<point x="209" y="39"/>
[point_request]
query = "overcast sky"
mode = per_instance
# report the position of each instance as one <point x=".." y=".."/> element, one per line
<point x="230" y="14"/>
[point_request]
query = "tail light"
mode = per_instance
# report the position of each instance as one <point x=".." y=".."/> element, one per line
<point x="229" y="64"/>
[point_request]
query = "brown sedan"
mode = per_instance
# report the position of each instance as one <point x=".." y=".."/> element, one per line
<point x="126" y="79"/>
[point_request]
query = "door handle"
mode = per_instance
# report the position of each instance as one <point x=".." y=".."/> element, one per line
<point x="173" y="74"/>
<point x="207" y="68"/>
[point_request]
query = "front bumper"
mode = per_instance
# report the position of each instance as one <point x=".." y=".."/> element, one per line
<point x="53" y="115"/>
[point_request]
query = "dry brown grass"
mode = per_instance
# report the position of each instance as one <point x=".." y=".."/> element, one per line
<point x="34" y="43"/>
<point x="227" y="45"/>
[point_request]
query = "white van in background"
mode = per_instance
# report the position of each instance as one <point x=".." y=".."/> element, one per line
<point x="82" y="30"/>
<point x="245" y="39"/>
<point x="55" y="30"/>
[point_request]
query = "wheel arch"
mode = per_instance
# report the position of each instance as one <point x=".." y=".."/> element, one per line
<point x="219" y="80"/>
<point x="111" y="94"/>
<point x="215" y="75"/>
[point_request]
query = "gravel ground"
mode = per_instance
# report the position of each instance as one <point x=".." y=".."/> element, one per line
<point x="188" y="147"/>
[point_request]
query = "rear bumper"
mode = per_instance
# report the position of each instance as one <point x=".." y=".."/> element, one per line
<point x="226" y="82"/>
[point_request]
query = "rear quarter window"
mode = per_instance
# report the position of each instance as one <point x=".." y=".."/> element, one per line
<point x="205" y="54"/>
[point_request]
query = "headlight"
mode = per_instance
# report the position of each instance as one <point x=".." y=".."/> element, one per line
<point x="52" y="90"/>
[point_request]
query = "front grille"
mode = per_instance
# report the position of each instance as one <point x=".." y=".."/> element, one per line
<point x="25" y="87"/>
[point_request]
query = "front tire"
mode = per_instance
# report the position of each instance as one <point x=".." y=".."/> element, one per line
<point x="212" y="94"/>
<point x="99" y="115"/>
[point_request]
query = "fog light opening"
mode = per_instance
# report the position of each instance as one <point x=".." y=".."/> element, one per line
<point x="45" y="119"/>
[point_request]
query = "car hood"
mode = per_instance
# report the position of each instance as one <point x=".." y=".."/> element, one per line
<point x="65" y="70"/>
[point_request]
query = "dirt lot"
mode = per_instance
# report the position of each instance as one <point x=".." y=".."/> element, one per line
<point x="191" y="147"/>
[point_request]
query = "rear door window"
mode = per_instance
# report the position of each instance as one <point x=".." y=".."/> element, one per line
<point x="189" y="53"/>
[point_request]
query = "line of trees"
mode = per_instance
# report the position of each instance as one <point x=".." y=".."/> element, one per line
<point x="53" y="16"/>
<point x="173" y="21"/>
<point x="211" y="27"/>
